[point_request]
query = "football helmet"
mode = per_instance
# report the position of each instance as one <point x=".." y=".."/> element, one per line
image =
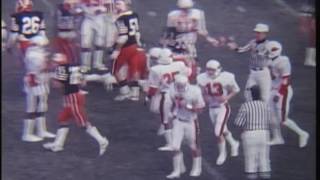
<point x="185" y="4"/>
<point x="181" y="83"/>
<point x="155" y="52"/>
<point x="165" y="56"/>
<point x="274" y="49"/>
<point x="261" y="28"/>
<point x="24" y="5"/>
<point x="213" y="68"/>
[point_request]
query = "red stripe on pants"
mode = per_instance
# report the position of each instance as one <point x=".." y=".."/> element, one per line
<point x="226" y="116"/>
<point x="284" y="106"/>
<point x="74" y="107"/>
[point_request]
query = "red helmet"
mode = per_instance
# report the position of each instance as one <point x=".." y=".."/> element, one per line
<point x="24" y="5"/>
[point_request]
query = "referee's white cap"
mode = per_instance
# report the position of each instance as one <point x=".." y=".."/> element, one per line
<point x="260" y="27"/>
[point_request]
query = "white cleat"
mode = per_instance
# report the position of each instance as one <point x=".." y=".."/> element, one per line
<point x="276" y="141"/>
<point x="221" y="159"/>
<point x="31" y="138"/>
<point x="165" y="148"/>
<point x="103" y="147"/>
<point x="47" y="134"/>
<point x="81" y="91"/>
<point x="101" y="68"/>
<point x="134" y="98"/>
<point x="195" y="173"/>
<point x="303" y="140"/>
<point x="52" y="147"/>
<point x="235" y="149"/>
<point x="121" y="97"/>
<point x="173" y="175"/>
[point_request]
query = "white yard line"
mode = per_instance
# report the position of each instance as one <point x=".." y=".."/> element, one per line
<point x="213" y="172"/>
<point x="287" y="7"/>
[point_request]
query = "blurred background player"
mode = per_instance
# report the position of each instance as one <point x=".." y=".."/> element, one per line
<point x="183" y="27"/>
<point x="65" y="42"/>
<point x="25" y="24"/>
<point x="187" y="103"/>
<point x="218" y="87"/>
<point x="308" y="27"/>
<point x="259" y="72"/>
<point x="281" y="94"/>
<point x="129" y="64"/>
<point x="36" y="87"/>
<point x="4" y="35"/>
<point x="161" y="76"/>
<point x="93" y="33"/>
<point x="69" y="77"/>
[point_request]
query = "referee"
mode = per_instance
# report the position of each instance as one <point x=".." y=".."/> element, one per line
<point x="254" y="117"/>
<point x="258" y="63"/>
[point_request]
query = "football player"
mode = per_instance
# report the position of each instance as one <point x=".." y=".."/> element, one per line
<point x="129" y="60"/>
<point x="25" y="24"/>
<point x="218" y="87"/>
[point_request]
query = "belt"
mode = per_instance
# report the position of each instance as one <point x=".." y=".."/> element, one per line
<point x="257" y="69"/>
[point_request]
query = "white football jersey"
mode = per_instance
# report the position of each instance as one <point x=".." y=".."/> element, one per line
<point x="280" y="67"/>
<point x="214" y="88"/>
<point x="91" y="7"/>
<point x="161" y="76"/>
<point x="192" y="97"/>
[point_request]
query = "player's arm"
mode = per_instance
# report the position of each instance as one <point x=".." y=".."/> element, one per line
<point x="285" y="76"/>
<point x="240" y="49"/>
<point x="14" y="32"/>
<point x="233" y="88"/>
<point x="202" y="30"/>
<point x="122" y="38"/>
<point x="153" y="82"/>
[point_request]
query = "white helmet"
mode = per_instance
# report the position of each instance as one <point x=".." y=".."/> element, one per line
<point x="59" y="58"/>
<point x="185" y="4"/>
<point x="39" y="40"/>
<point x="24" y="5"/>
<point x="165" y="56"/>
<point x="181" y="83"/>
<point x="155" y="52"/>
<point x="274" y="49"/>
<point x="260" y="27"/>
<point x="213" y="68"/>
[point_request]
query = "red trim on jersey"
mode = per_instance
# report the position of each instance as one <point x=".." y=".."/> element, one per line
<point x="284" y="106"/>
<point x="226" y="116"/>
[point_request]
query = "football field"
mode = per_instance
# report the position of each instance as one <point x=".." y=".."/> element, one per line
<point x="132" y="130"/>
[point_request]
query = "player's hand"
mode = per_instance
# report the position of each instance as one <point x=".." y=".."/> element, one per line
<point x="222" y="41"/>
<point x="213" y="41"/>
<point x="232" y="45"/>
<point x="115" y="54"/>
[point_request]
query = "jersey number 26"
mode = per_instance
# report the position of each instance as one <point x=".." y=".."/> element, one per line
<point x="30" y="25"/>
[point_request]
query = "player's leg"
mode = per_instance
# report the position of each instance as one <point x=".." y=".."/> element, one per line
<point x="86" y="43"/>
<point x="63" y="120"/>
<point x="264" y="155"/>
<point x="165" y="107"/>
<point x="250" y="154"/>
<point x="29" y="122"/>
<point x="218" y="116"/>
<point x="275" y="104"/>
<point x="177" y="137"/>
<point x="192" y="136"/>
<point x="42" y="108"/>
<point x="78" y="112"/>
<point x="264" y="82"/>
<point x="250" y="82"/>
<point x="137" y="69"/>
<point x="99" y="42"/>
<point x="303" y="135"/>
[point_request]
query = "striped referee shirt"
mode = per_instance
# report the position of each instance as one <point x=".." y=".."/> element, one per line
<point x="258" y="50"/>
<point x="254" y="115"/>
